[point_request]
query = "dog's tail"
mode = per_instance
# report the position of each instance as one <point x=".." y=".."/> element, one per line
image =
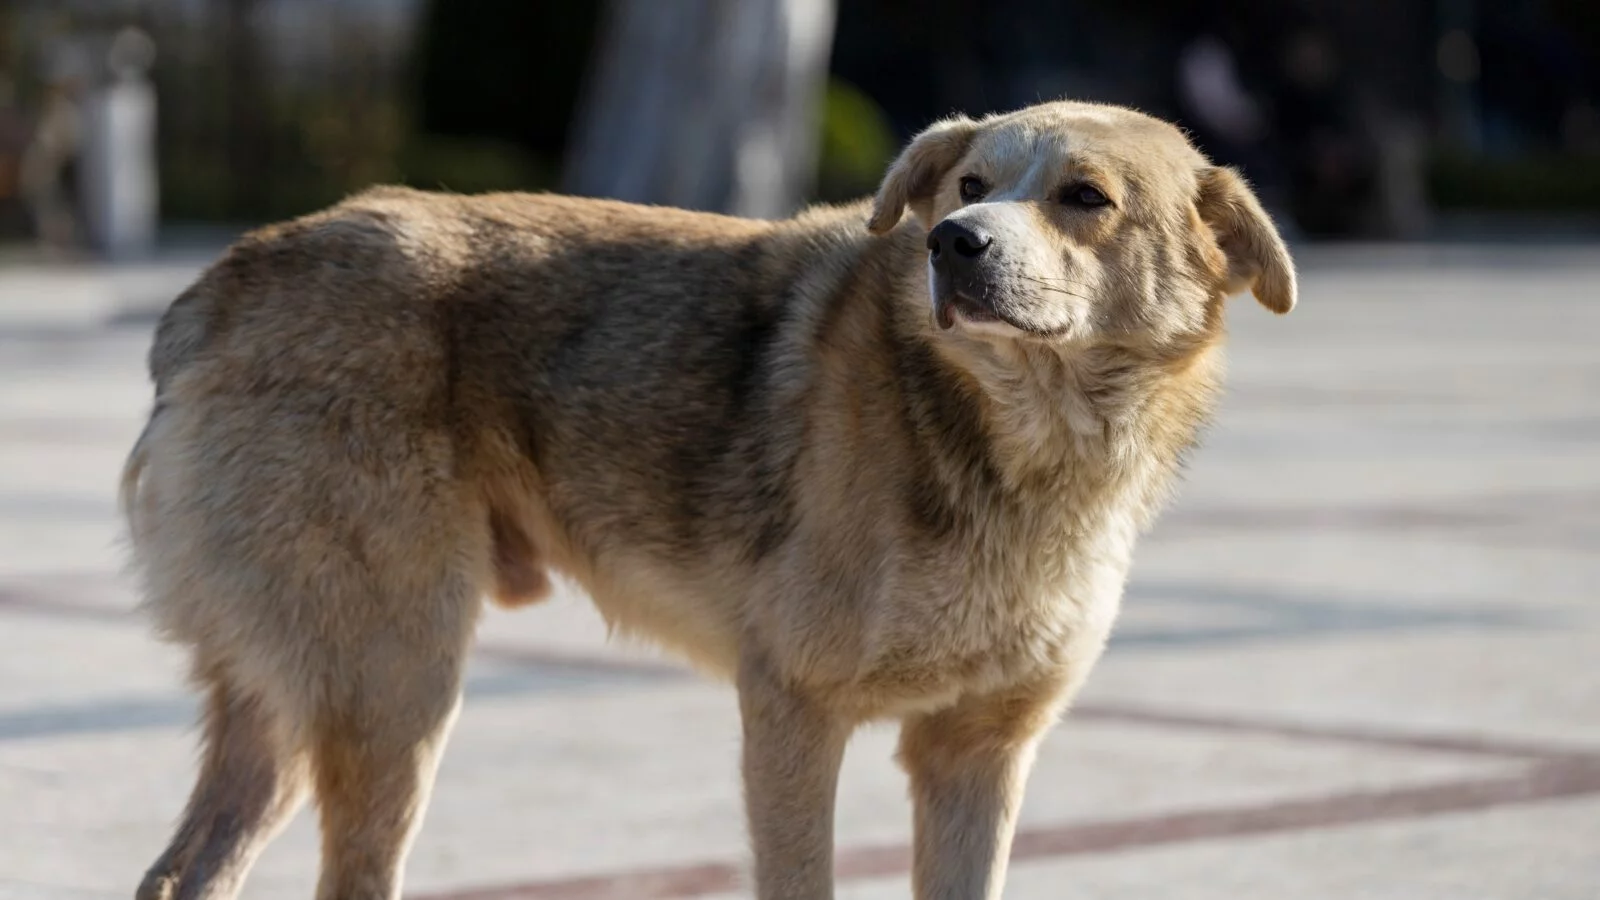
<point x="128" y="492"/>
<point x="179" y="338"/>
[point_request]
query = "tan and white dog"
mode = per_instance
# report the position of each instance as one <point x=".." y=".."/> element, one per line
<point x="865" y="467"/>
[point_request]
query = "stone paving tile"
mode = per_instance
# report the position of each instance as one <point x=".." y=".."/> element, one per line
<point x="562" y="784"/>
<point x="1545" y="852"/>
<point x="1357" y="657"/>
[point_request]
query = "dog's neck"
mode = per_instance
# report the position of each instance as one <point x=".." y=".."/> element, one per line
<point x="1085" y="420"/>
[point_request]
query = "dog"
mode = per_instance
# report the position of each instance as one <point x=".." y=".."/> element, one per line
<point x="865" y="465"/>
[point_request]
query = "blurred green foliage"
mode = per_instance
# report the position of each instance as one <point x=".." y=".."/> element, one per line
<point x="857" y="143"/>
<point x="472" y="165"/>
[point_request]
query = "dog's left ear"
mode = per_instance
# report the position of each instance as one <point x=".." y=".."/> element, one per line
<point x="1256" y="256"/>
<point x="914" y="177"/>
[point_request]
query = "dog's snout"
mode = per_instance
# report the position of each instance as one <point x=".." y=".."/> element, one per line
<point x="953" y="243"/>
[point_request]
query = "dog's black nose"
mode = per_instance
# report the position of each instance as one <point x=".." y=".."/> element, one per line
<point x="952" y="244"/>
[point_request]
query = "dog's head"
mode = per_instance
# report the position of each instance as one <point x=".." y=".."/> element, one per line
<point x="1081" y="224"/>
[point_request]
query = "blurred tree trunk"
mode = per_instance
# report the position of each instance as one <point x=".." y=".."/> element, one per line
<point x="706" y="104"/>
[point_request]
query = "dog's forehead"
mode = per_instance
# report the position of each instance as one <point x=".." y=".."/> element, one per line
<point x="1057" y="136"/>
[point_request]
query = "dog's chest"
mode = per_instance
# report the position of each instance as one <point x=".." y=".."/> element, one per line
<point x="1017" y="604"/>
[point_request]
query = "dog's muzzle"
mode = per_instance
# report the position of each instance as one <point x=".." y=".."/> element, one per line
<point x="957" y="254"/>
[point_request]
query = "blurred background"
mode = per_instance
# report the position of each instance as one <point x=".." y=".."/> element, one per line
<point x="127" y="125"/>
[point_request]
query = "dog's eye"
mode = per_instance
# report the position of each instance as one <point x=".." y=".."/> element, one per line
<point x="972" y="189"/>
<point x="1084" y="195"/>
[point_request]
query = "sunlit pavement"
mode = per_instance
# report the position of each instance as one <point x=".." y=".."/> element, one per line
<point x="1360" y="656"/>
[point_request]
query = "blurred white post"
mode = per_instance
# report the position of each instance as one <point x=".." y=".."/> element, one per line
<point x="707" y="104"/>
<point x="119" y="152"/>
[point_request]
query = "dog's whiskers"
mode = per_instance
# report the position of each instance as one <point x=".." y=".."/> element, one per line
<point x="1053" y="288"/>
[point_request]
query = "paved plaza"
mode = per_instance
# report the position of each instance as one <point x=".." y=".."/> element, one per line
<point x="1359" y="658"/>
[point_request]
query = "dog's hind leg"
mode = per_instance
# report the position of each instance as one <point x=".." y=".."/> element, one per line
<point x="251" y="781"/>
<point x="376" y="745"/>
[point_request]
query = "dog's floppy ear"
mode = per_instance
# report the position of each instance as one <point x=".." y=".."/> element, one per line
<point x="914" y="177"/>
<point x="1256" y="256"/>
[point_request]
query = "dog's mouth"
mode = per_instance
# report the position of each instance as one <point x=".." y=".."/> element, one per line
<point x="960" y="305"/>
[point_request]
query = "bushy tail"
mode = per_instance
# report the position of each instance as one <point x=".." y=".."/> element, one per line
<point x="179" y="337"/>
<point x="128" y="492"/>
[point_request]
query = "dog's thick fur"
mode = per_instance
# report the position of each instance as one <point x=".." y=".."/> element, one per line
<point x="750" y="441"/>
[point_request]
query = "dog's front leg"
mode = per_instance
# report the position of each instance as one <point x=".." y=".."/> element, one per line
<point x="968" y="765"/>
<point x="792" y="749"/>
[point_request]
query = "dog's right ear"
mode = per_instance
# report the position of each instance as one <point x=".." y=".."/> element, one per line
<point x="914" y="177"/>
